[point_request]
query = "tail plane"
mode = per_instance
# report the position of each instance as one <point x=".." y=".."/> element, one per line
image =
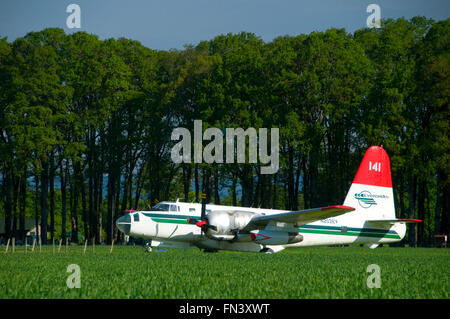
<point x="371" y="192"/>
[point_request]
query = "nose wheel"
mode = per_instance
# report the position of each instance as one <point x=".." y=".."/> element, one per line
<point x="148" y="247"/>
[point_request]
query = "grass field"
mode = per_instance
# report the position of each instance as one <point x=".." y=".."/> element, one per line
<point x="293" y="273"/>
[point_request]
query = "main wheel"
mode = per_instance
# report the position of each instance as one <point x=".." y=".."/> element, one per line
<point x="266" y="250"/>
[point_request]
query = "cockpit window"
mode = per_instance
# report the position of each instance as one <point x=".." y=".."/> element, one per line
<point x="166" y="207"/>
<point x="136" y="217"/>
<point x="161" y="207"/>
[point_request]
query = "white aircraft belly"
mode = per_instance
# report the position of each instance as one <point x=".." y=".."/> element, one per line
<point x="226" y="245"/>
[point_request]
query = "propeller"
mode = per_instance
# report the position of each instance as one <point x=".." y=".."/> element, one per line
<point x="203" y="222"/>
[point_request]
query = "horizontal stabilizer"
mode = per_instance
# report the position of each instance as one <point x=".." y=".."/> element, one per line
<point x="386" y="222"/>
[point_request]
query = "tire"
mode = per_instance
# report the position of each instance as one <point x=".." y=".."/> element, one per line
<point x="266" y="250"/>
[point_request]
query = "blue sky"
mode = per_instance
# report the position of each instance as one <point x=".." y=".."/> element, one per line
<point x="166" y="24"/>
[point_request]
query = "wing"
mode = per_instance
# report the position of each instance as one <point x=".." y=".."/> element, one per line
<point x="300" y="217"/>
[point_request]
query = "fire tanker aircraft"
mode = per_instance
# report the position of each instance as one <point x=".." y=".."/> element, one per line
<point x="367" y="216"/>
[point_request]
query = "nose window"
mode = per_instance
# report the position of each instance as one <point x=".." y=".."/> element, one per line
<point x="136" y="217"/>
<point x="124" y="219"/>
<point x="124" y="223"/>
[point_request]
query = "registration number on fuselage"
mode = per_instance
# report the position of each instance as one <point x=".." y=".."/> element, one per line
<point x="329" y="221"/>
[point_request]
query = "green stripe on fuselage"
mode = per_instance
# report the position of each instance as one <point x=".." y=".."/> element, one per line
<point x="170" y="220"/>
<point x="351" y="231"/>
<point x="170" y="216"/>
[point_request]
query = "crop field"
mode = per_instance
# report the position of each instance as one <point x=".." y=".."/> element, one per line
<point x="129" y="272"/>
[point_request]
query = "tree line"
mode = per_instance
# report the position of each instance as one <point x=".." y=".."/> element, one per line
<point x="86" y="123"/>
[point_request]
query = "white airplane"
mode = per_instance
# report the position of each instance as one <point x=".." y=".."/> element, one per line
<point x="367" y="216"/>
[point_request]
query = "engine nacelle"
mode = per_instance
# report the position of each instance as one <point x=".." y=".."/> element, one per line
<point x="227" y="224"/>
<point x="270" y="237"/>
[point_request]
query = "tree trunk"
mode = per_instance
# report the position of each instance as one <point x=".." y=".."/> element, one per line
<point x="44" y="199"/>
<point x="265" y="196"/>
<point x="63" y="178"/>
<point x="52" y="197"/>
<point x="36" y="204"/>
<point x="247" y="185"/>
<point x="274" y="192"/>
<point x="297" y="185"/>
<point x="111" y="201"/>
<point x="421" y="210"/>
<point x="286" y="199"/>
<point x="313" y="181"/>
<point x="401" y="197"/>
<point x="8" y="205"/>
<point x="216" y="186"/>
<point x="16" y="184"/>
<point x="23" y="196"/>
<point x="100" y="208"/>
<point x="412" y="204"/>
<point x="139" y="185"/>
<point x="92" y="191"/>
<point x="445" y="219"/>
<point x="187" y="172"/>
<point x="233" y="188"/>
<point x="115" y="211"/>
<point x="196" y="183"/>
<point x="306" y="197"/>
<point x="255" y="202"/>
<point x="125" y="192"/>
<point x="84" y="207"/>
<point x="290" y="186"/>
<point x="74" y="209"/>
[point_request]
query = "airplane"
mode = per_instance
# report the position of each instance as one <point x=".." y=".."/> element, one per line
<point x="367" y="216"/>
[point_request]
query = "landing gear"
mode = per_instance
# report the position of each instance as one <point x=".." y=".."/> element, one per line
<point x="148" y="247"/>
<point x="266" y="250"/>
<point x="210" y="250"/>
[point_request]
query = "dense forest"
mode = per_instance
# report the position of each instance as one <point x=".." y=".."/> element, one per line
<point x="86" y="123"/>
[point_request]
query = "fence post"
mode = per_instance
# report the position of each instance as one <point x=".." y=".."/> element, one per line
<point x="7" y="245"/>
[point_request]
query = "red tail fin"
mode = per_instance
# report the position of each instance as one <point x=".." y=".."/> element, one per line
<point x="375" y="168"/>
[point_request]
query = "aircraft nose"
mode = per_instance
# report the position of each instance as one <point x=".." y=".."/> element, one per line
<point x="124" y="223"/>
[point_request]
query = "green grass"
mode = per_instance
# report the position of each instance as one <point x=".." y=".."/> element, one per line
<point x="293" y="273"/>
